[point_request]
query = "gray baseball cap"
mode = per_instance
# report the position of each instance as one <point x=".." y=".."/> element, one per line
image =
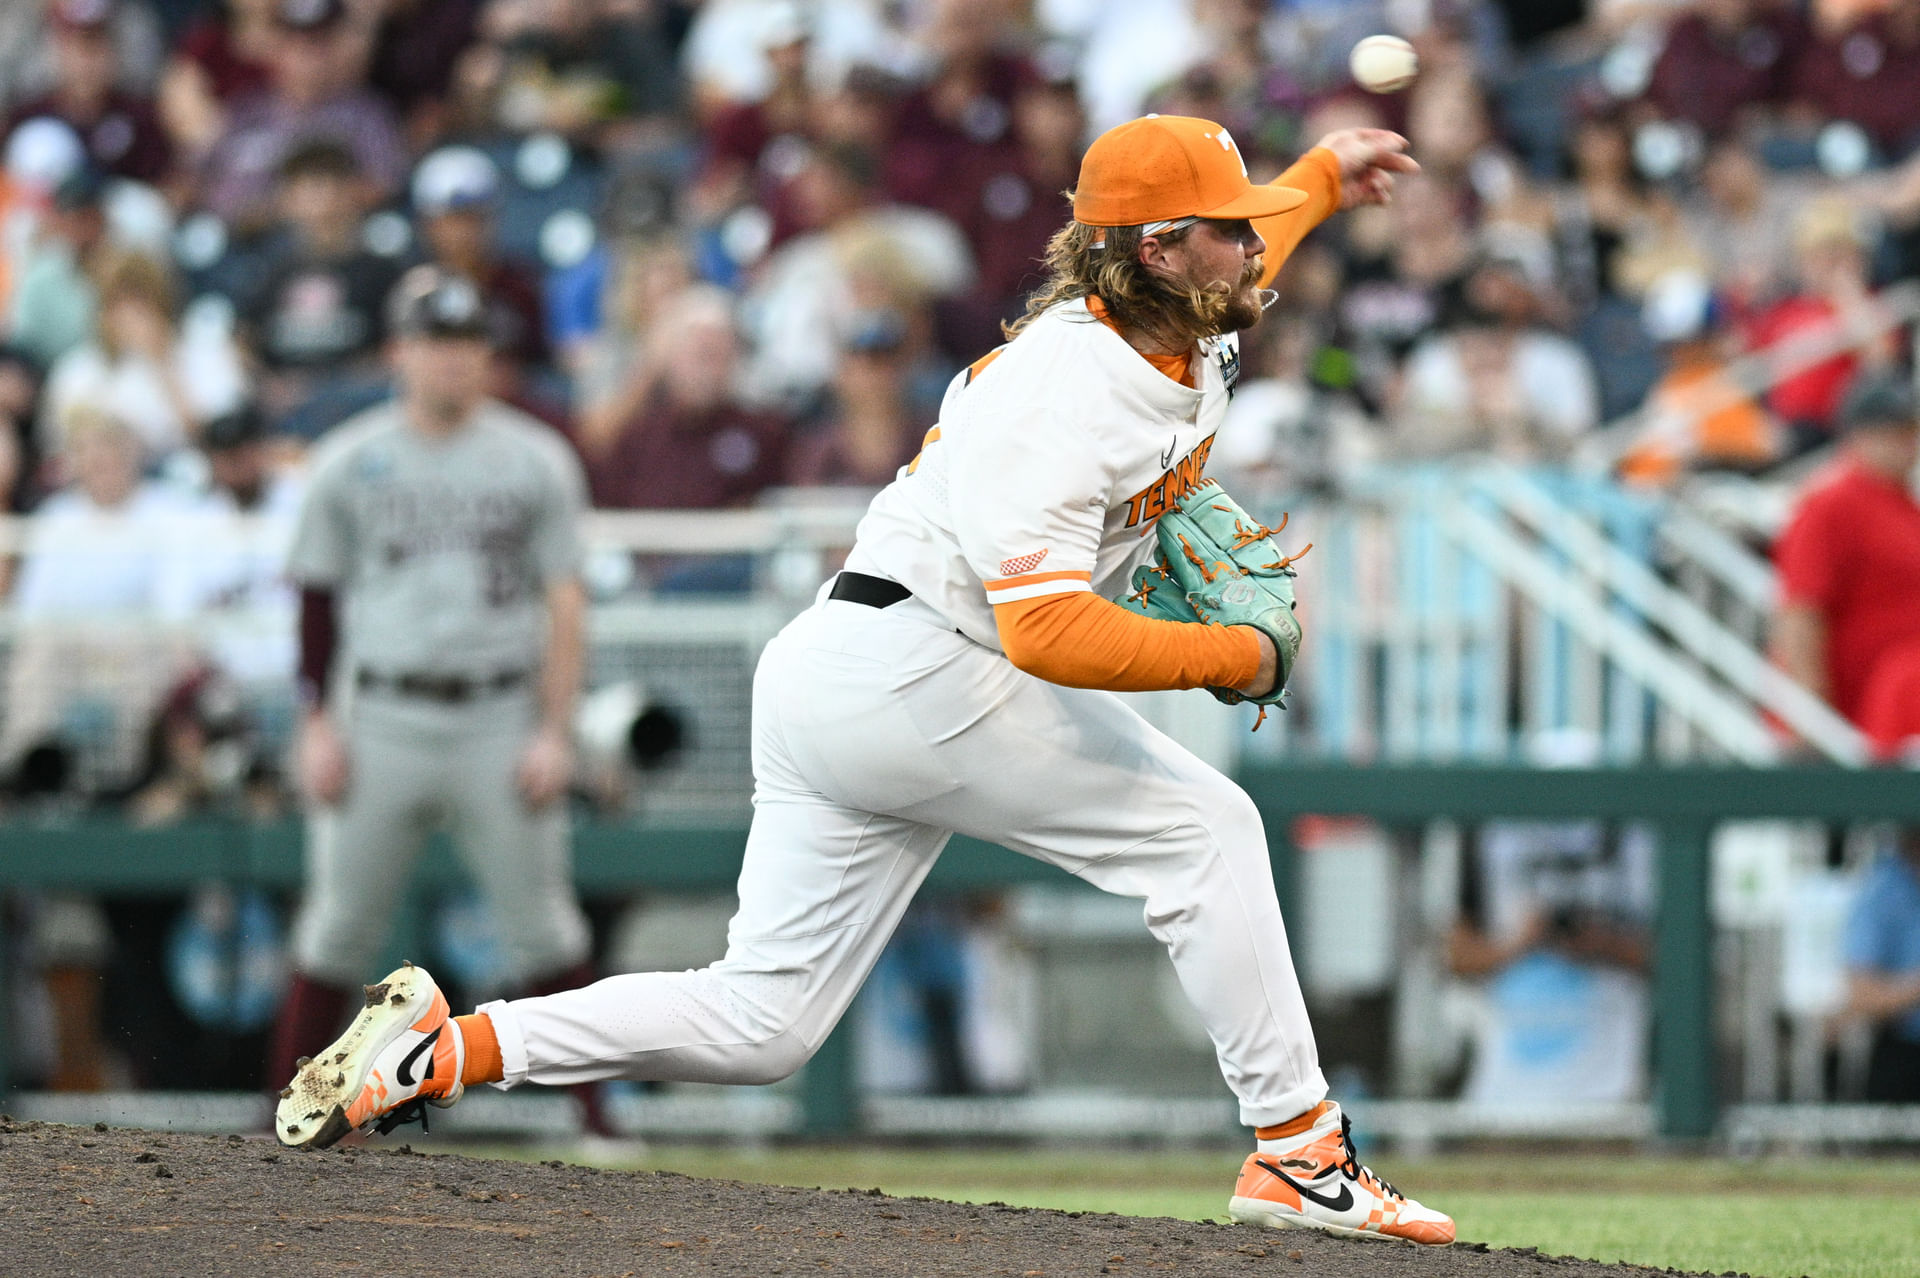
<point x="432" y="302"/>
<point x="1879" y="399"/>
<point x="455" y="178"/>
<point x="309" y="15"/>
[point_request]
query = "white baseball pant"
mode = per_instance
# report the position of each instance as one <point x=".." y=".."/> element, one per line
<point x="876" y="735"/>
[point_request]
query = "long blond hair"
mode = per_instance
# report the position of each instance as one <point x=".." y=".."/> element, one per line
<point x="1168" y="310"/>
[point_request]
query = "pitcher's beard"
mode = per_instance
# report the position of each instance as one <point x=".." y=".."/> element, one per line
<point x="1243" y="310"/>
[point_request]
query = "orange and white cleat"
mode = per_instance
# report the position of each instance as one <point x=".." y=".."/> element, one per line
<point x="1320" y="1184"/>
<point x="402" y="1053"/>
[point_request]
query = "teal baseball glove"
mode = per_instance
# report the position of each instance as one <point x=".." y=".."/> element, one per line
<point x="1220" y="566"/>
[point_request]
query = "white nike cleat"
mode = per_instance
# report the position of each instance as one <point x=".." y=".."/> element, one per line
<point x="1320" y="1184"/>
<point x="402" y="1053"/>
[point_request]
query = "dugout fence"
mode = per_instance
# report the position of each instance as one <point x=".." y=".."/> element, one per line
<point x="1685" y="804"/>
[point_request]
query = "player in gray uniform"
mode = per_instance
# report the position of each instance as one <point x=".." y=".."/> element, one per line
<point x="438" y="554"/>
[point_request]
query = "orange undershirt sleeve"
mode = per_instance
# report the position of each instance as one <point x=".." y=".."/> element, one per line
<point x="1318" y="174"/>
<point x="1081" y="640"/>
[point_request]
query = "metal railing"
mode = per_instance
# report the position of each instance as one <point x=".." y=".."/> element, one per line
<point x="1460" y="612"/>
<point x="1633" y="585"/>
<point x="1479" y="611"/>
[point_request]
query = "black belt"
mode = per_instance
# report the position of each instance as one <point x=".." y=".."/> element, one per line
<point x="447" y="689"/>
<point x="874" y="592"/>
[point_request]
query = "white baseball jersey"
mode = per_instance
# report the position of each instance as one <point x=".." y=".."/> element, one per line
<point x="1052" y="461"/>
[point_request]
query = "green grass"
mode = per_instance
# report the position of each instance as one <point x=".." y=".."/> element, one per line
<point x="1826" y="1218"/>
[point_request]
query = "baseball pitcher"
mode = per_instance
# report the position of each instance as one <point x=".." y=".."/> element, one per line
<point x="958" y="676"/>
<point x="441" y="641"/>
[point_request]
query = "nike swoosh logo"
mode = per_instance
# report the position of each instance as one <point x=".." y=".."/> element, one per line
<point x="1166" y="458"/>
<point x="404" y="1074"/>
<point x="1342" y="1201"/>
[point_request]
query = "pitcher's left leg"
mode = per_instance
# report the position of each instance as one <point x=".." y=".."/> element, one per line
<point x="1079" y="780"/>
<point x="1104" y="795"/>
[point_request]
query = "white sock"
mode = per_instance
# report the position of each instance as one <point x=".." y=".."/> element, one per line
<point x="1286" y="1144"/>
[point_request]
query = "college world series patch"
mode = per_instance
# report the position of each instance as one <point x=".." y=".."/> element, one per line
<point x="1227" y="355"/>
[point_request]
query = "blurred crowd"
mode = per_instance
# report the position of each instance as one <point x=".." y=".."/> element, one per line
<point x="732" y="247"/>
<point x="736" y="248"/>
<point x="741" y="244"/>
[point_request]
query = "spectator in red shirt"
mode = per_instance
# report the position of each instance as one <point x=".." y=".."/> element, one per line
<point x="121" y="130"/>
<point x="1848" y="621"/>
<point x="1833" y="290"/>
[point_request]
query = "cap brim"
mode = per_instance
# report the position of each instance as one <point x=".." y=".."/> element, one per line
<point x="456" y="204"/>
<point x="1260" y="201"/>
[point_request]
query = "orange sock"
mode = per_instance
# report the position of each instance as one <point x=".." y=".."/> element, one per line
<point x="483" y="1050"/>
<point x="1292" y="1127"/>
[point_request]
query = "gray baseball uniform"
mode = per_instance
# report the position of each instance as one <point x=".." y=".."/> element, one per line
<point x="440" y="551"/>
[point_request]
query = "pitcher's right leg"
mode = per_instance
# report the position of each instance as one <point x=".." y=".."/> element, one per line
<point x="823" y="883"/>
<point x="822" y="888"/>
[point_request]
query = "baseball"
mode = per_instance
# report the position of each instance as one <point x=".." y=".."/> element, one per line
<point x="1383" y="64"/>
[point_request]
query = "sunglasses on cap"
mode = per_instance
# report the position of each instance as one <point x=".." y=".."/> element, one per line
<point x="1238" y="229"/>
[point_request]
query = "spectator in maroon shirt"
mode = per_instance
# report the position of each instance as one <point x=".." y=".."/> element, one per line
<point x="416" y="47"/>
<point x="121" y="130"/>
<point x="222" y="58"/>
<point x="754" y="150"/>
<point x="1724" y="59"/>
<point x="870" y="426"/>
<point x="313" y="94"/>
<point x="956" y="131"/>
<point x="692" y="444"/>
<point x="1848" y="620"/>
<point x="1016" y="210"/>
<point x="1865" y="67"/>
<point x="455" y="192"/>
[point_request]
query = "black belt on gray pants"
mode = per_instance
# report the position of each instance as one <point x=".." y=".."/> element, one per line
<point x="874" y="592"/>
<point x="446" y="689"/>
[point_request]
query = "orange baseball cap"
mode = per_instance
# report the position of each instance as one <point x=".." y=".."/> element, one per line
<point x="1161" y="168"/>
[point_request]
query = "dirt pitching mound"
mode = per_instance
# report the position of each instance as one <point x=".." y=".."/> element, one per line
<point x="140" y="1204"/>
